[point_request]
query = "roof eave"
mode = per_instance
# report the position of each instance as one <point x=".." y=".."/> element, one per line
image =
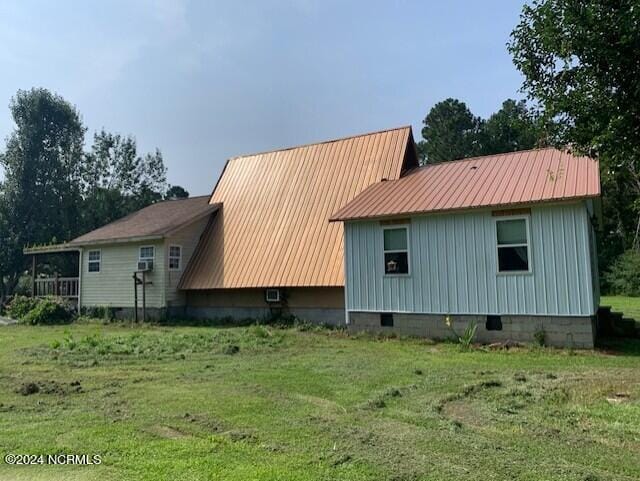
<point x="464" y="209"/>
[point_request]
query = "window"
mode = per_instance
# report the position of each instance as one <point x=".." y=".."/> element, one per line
<point x="396" y="251"/>
<point x="513" y="244"/>
<point x="175" y="258"/>
<point x="148" y="254"/>
<point x="94" y="259"/>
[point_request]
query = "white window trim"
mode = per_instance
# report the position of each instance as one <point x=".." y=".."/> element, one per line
<point x="99" y="261"/>
<point x="407" y="250"/>
<point x="169" y="257"/>
<point x="140" y="258"/>
<point x="526" y="218"/>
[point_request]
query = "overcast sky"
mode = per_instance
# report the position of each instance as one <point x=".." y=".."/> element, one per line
<point x="208" y="80"/>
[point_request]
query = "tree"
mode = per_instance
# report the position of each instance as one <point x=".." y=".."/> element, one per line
<point x="514" y="127"/>
<point x="42" y="188"/>
<point x="450" y="132"/>
<point x="176" y="192"/>
<point x="581" y="62"/>
<point x="117" y="181"/>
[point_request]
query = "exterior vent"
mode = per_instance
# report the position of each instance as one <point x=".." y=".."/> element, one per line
<point x="494" y="323"/>
<point x="386" y="319"/>
<point x="145" y="266"/>
<point x="272" y="295"/>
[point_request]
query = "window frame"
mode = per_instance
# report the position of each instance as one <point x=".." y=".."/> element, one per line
<point x="526" y="218"/>
<point x="392" y="251"/>
<point x="179" y="257"/>
<point x="99" y="261"/>
<point x="152" y="259"/>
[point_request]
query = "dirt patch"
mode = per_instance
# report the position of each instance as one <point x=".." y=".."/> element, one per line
<point x="49" y="387"/>
<point x="166" y="432"/>
<point x="464" y="412"/>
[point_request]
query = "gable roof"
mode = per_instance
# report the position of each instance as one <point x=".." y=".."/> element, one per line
<point x="513" y="178"/>
<point x="152" y="222"/>
<point x="273" y="229"/>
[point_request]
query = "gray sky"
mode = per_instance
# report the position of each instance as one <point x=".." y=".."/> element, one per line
<point x="207" y="80"/>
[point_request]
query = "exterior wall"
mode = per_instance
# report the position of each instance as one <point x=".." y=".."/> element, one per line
<point x="188" y="239"/>
<point x="560" y="331"/>
<point x="315" y="304"/>
<point x="453" y="266"/>
<point x="113" y="285"/>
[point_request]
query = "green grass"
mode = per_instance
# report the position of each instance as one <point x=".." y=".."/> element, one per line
<point x="260" y="403"/>
<point x="630" y="306"/>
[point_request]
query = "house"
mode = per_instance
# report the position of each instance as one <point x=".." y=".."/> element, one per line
<point x="154" y="243"/>
<point x="270" y="248"/>
<point x="353" y="228"/>
<point x="261" y="244"/>
<point x="504" y="241"/>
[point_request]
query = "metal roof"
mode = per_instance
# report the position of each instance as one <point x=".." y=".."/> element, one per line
<point x="514" y="178"/>
<point x="152" y="222"/>
<point x="273" y="229"/>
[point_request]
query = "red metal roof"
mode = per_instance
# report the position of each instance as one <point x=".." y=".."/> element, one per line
<point x="273" y="228"/>
<point x="513" y="178"/>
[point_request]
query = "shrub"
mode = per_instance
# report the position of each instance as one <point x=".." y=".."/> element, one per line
<point x="50" y="310"/>
<point x="623" y="277"/>
<point x="466" y="338"/>
<point x="540" y="337"/>
<point x="20" y="307"/>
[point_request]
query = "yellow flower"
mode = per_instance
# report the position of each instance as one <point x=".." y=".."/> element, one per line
<point x="447" y="320"/>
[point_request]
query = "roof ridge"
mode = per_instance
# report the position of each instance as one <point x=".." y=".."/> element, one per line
<point x="309" y="144"/>
<point x="484" y="157"/>
<point x="184" y="198"/>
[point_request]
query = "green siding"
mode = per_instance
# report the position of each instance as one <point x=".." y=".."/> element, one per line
<point x="453" y="266"/>
<point x="188" y="239"/>
<point x="113" y="285"/>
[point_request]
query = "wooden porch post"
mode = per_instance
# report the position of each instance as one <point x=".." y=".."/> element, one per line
<point x="33" y="275"/>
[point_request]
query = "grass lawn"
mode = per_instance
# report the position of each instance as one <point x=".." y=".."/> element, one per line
<point x="630" y="306"/>
<point x="260" y="403"/>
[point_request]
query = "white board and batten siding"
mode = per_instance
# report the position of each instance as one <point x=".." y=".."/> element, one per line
<point x="453" y="266"/>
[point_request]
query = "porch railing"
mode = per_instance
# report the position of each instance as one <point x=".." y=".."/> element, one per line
<point x="66" y="287"/>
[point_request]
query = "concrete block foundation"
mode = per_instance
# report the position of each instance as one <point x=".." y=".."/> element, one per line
<point x="559" y="331"/>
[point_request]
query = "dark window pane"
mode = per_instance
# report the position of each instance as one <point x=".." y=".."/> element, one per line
<point x="396" y="263"/>
<point x="512" y="231"/>
<point x="395" y="239"/>
<point x="512" y="259"/>
<point x="94" y="267"/>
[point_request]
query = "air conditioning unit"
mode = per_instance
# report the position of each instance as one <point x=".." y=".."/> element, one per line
<point x="273" y="295"/>
<point x="145" y="266"/>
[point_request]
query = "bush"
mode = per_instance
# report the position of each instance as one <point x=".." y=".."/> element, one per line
<point x="623" y="277"/>
<point x="20" y="307"/>
<point x="50" y="310"/>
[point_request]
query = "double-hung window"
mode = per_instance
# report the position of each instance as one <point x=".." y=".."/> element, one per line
<point x="94" y="258"/>
<point x="175" y="258"/>
<point x="396" y="250"/>
<point x="148" y="254"/>
<point x="514" y="252"/>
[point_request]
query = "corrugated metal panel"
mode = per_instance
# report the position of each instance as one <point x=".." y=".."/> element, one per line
<point x="273" y="228"/>
<point x="454" y="268"/>
<point x="504" y="179"/>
